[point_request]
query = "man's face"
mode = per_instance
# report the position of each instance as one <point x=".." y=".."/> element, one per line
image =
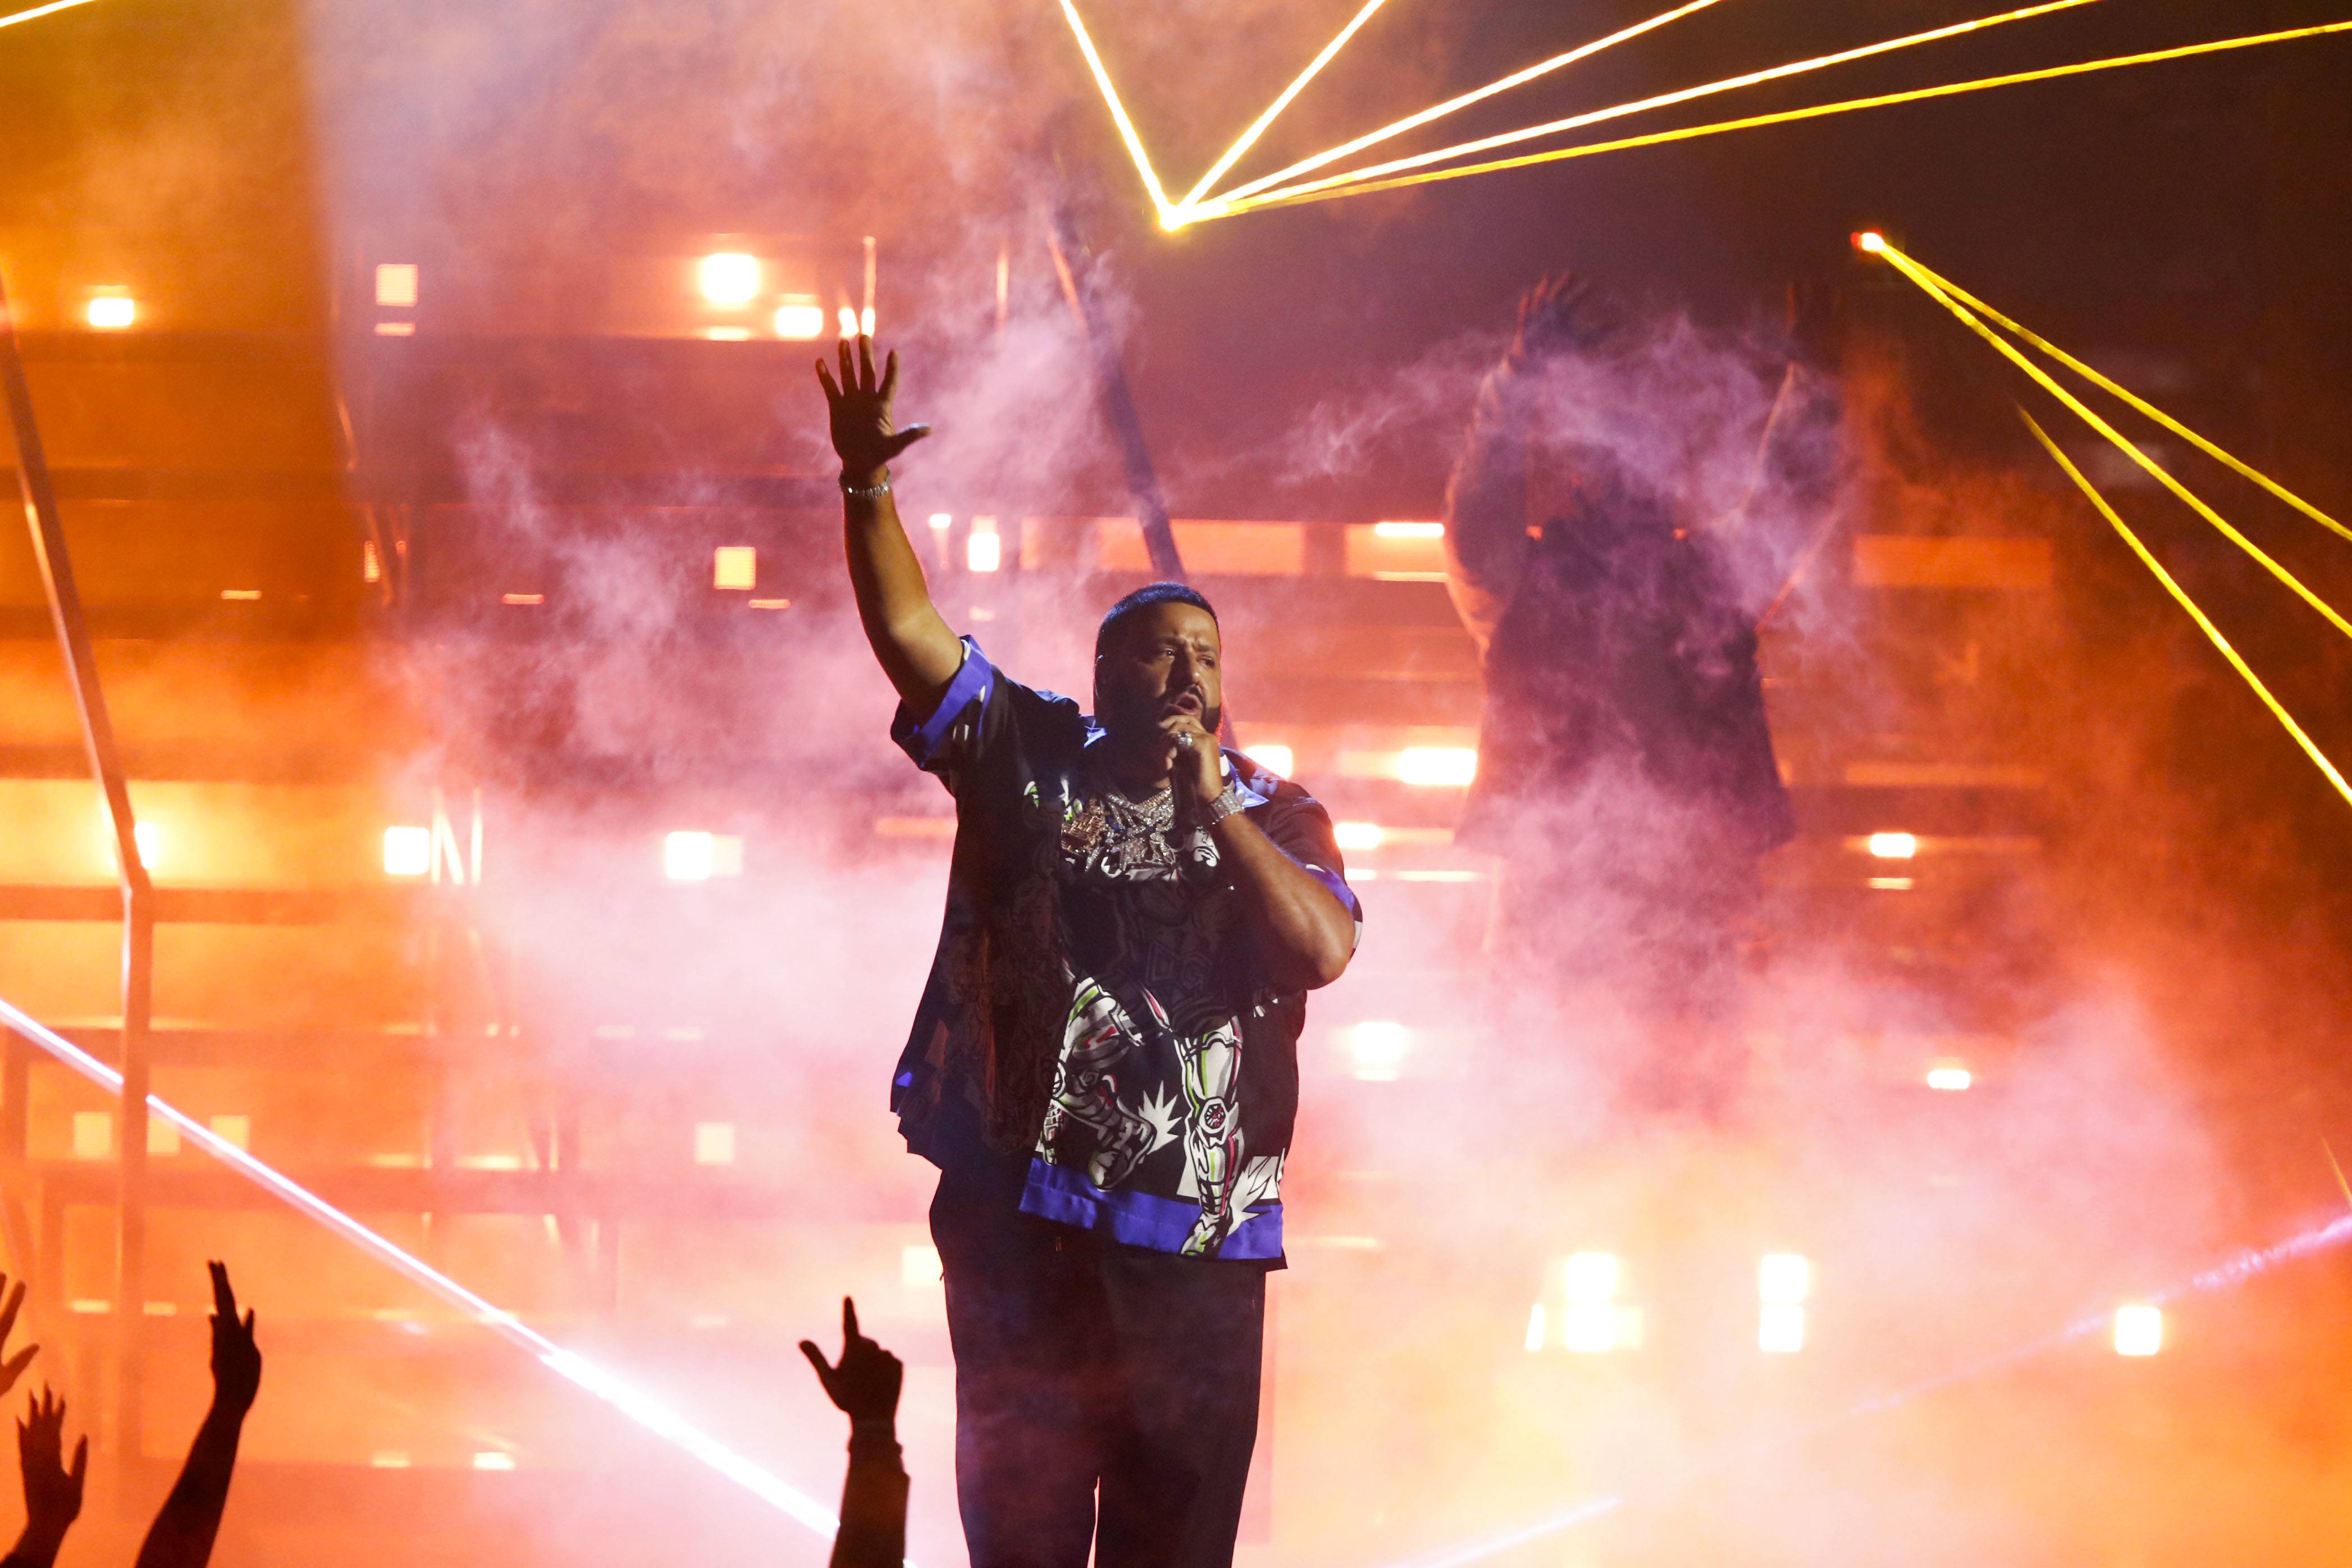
<point x="1161" y="660"/>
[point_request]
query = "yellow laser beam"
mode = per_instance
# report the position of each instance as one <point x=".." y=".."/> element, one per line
<point x="39" y="11"/>
<point x="1913" y="271"/>
<point x="1619" y="111"/>
<point x="1438" y="111"/>
<point x="2142" y="404"/>
<point x="1248" y="138"/>
<point x="1220" y="208"/>
<point x="2346" y="1186"/>
<point x="1127" y="133"/>
<point x="2204" y="621"/>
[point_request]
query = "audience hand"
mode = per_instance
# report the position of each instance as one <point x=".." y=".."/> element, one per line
<point x="865" y="1384"/>
<point x="52" y="1492"/>
<point x="236" y="1360"/>
<point x="14" y="1366"/>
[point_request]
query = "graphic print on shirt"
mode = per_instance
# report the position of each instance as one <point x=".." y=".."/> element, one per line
<point x="1099" y="1044"/>
<point x="1153" y="911"/>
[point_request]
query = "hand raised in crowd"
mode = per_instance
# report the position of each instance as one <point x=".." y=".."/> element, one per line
<point x="863" y="435"/>
<point x="237" y="1359"/>
<point x="52" y="1492"/>
<point x="14" y="1366"/>
<point x="864" y="1383"/>
<point x="1563" y="313"/>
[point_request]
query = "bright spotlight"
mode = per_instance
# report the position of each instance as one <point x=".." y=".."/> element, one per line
<point x="714" y="1142"/>
<point x="1270" y="755"/>
<point x="112" y="312"/>
<point x="865" y="320"/>
<point x="1950" y="1077"/>
<point x="984" y="550"/>
<point x="689" y="856"/>
<point x="1379" y="1048"/>
<point x="149" y="838"/>
<point x="800" y="322"/>
<point x="1588" y="1325"/>
<point x="2139" y="1330"/>
<point x="1870" y="242"/>
<point x="729" y="279"/>
<point x="1437" y="767"/>
<point x="1359" y="835"/>
<point x="1895" y="846"/>
<point x="1591" y="1278"/>
<point x="1781" y="1328"/>
<point x="407" y="851"/>
<point x="847" y="318"/>
<point x="1784" y="1279"/>
<point x="1396" y="530"/>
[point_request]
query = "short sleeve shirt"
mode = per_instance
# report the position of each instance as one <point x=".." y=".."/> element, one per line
<point x="1098" y="1004"/>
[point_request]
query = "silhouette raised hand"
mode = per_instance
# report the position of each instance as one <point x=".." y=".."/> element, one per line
<point x="185" y="1526"/>
<point x="864" y="1384"/>
<point x="14" y="1366"/>
<point x="52" y="1491"/>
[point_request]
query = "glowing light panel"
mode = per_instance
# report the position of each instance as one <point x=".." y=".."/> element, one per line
<point x="1437" y="767"/>
<point x="1895" y="846"/>
<point x="1271" y="755"/>
<point x="395" y="284"/>
<point x="688" y="856"/>
<point x="112" y="312"/>
<point x="407" y="851"/>
<point x="1950" y="1078"/>
<point x="1784" y="1279"/>
<point x="1781" y="1328"/>
<point x="1359" y="835"/>
<point x="800" y="322"/>
<point x="735" y="567"/>
<point x="729" y="279"/>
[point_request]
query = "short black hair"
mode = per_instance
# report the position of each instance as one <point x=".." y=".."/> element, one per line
<point x="1144" y="598"/>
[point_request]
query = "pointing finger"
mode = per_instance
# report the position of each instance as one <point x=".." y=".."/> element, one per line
<point x="848" y="1323"/>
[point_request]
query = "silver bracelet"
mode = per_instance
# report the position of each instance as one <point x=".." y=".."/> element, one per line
<point x="1233" y="799"/>
<point x="856" y="494"/>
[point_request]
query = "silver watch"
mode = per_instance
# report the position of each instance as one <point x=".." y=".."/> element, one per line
<point x="1235" y="798"/>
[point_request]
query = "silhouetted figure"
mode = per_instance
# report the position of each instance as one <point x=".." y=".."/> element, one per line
<point x="184" y="1528"/>
<point x="865" y="1387"/>
<point x="1105" y="1062"/>
<point x="1625" y="771"/>
<point x="52" y="1491"/>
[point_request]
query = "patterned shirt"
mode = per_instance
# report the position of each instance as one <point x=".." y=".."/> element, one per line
<point x="1097" y="1002"/>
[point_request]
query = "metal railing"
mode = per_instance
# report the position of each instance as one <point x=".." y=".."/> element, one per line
<point x="56" y="562"/>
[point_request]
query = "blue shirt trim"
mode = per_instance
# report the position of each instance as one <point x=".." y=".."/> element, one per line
<point x="922" y="740"/>
<point x="1140" y="1220"/>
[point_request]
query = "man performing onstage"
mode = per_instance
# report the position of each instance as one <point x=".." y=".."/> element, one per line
<point x="1625" y="771"/>
<point x="1105" y="1062"/>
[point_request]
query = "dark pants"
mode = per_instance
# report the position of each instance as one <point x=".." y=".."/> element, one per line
<point x="1083" y="1363"/>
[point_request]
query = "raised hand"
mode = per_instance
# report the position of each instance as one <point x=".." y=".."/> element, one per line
<point x="860" y="408"/>
<point x="52" y="1492"/>
<point x="1564" y="313"/>
<point x="864" y="1384"/>
<point x="14" y="1366"/>
<point x="236" y="1360"/>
